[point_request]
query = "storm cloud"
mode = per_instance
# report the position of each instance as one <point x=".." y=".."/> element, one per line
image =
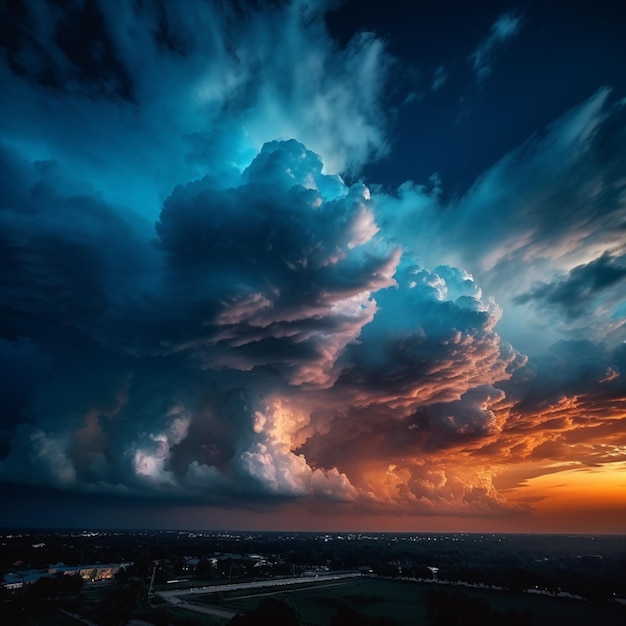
<point x="203" y="302"/>
<point x="253" y="304"/>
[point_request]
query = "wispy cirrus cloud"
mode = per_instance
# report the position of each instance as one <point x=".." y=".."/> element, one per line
<point x="205" y="84"/>
<point x="506" y="27"/>
<point x="582" y="289"/>
<point x="553" y="207"/>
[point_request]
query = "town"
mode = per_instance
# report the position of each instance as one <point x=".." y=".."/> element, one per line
<point x="195" y="577"/>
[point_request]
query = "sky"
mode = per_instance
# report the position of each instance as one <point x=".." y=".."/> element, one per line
<point x="313" y="265"/>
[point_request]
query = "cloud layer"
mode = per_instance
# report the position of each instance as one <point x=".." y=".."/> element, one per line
<point x="235" y="354"/>
<point x="197" y="307"/>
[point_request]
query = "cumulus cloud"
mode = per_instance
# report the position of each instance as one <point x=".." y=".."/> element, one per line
<point x="235" y="324"/>
<point x="433" y="339"/>
<point x="270" y="460"/>
<point x="233" y="355"/>
<point x="276" y="272"/>
<point x="542" y="231"/>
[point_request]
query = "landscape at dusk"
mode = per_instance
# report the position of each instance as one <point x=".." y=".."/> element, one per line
<point x="312" y="265"/>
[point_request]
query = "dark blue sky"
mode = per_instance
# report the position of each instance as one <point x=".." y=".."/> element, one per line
<point x="313" y="264"/>
<point x="562" y="53"/>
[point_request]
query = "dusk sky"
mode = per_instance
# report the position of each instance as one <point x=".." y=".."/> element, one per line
<point x="313" y="265"/>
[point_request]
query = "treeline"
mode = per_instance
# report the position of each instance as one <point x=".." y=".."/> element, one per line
<point x="592" y="567"/>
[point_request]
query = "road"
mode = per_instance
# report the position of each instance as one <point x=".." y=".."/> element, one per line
<point x="174" y="596"/>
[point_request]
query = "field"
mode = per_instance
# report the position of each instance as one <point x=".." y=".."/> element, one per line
<point x="406" y="602"/>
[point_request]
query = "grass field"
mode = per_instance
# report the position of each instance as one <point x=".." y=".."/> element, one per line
<point x="53" y="619"/>
<point x="178" y="615"/>
<point x="318" y="603"/>
<point x="405" y="602"/>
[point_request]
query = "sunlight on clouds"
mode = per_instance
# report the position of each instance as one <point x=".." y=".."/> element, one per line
<point x="272" y="463"/>
<point x="205" y="302"/>
<point x="428" y="487"/>
<point x="151" y="459"/>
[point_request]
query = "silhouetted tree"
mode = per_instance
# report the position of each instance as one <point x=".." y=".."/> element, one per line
<point x="120" y="603"/>
<point x="204" y="569"/>
<point x="53" y="586"/>
<point x="453" y="608"/>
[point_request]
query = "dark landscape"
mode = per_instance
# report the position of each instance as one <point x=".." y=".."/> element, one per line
<point x="60" y="577"/>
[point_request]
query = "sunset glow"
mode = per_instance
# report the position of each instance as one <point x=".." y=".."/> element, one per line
<point x="311" y="265"/>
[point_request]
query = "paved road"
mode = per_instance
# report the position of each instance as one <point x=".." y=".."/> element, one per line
<point x="174" y="596"/>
